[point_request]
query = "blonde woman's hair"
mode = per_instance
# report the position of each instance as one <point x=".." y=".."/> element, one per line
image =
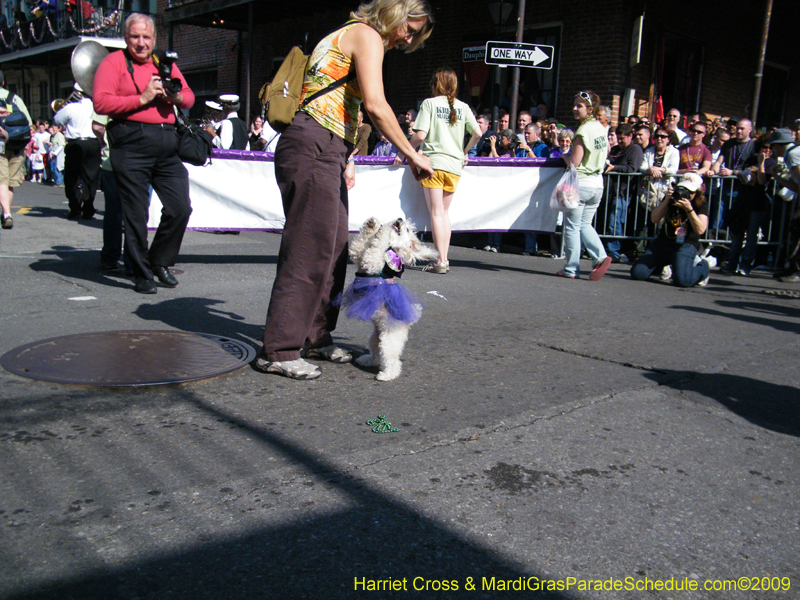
<point x="445" y="83"/>
<point x="387" y="16"/>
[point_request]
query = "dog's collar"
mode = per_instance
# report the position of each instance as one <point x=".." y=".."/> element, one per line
<point x="393" y="261"/>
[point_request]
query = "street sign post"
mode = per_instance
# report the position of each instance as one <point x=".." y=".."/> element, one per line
<point x="517" y="54"/>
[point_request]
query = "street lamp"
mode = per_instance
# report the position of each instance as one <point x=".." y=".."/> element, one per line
<point x="500" y="11"/>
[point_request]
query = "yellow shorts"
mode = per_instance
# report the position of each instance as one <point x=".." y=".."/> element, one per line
<point x="441" y="180"/>
<point x="12" y="169"/>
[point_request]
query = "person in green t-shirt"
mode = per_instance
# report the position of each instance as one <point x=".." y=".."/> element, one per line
<point x="588" y="156"/>
<point x="440" y="127"/>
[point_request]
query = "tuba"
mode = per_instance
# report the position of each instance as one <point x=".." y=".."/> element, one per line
<point x="86" y="57"/>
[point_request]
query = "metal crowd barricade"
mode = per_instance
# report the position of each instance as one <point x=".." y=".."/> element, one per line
<point x="720" y="193"/>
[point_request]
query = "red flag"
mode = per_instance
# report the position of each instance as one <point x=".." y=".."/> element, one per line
<point x="659" y="116"/>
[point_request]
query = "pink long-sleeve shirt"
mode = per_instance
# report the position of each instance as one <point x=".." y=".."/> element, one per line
<point x="116" y="96"/>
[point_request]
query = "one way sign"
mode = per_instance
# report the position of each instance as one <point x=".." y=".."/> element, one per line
<point x="516" y="54"/>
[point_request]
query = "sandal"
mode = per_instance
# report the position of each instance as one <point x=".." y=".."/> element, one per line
<point x="332" y="353"/>
<point x="441" y="268"/>
<point x="293" y="369"/>
<point x="600" y="269"/>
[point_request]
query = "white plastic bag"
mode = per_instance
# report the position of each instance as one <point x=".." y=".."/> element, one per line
<point x="567" y="194"/>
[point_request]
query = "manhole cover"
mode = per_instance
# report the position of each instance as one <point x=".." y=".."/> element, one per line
<point x="128" y="358"/>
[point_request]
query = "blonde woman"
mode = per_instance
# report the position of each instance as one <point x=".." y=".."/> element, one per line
<point x="314" y="172"/>
<point x="439" y="127"/>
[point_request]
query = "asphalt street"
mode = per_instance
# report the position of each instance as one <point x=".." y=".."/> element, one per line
<point x="557" y="439"/>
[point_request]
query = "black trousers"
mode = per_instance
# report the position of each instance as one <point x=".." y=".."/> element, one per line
<point x="82" y="174"/>
<point x="143" y="155"/>
<point x="312" y="263"/>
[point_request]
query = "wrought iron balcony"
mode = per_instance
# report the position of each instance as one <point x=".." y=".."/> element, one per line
<point x="61" y="25"/>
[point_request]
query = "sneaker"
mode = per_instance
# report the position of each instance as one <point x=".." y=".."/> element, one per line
<point x="624" y="259"/>
<point x="600" y="269"/>
<point x="743" y="272"/>
<point x="793" y="278"/>
<point x="8" y="222"/>
<point x="332" y="353"/>
<point x="440" y="268"/>
<point x="702" y="282"/>
<point x="293" y="369"/>
<point x="487" y="248"/>
<point x="666" y="274"/>
<point x="712" y="262"/>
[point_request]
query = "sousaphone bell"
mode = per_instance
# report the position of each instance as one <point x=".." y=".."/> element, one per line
<point x="86" y="57"/>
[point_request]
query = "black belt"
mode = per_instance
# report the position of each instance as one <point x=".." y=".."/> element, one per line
<point x="164" y="126"/>
<point x="81" y="139"/>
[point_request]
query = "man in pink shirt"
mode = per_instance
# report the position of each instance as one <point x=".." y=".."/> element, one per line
<point x="144" y="150"/>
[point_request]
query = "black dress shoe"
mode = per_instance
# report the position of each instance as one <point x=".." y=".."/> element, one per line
<point x="145" y="286"/>
<point x="73" y="215"/>
<point x="88" y="213"/>
<point x="165" y="277"/>
<point x="110" y="267"/>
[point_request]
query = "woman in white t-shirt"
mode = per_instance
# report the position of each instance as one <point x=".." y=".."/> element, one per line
<point x="440" y="127"/>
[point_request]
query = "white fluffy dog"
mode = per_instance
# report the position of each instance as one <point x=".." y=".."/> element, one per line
<point x="381" y="252"/>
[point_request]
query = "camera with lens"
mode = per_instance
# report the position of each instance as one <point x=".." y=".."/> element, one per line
<point x="164" y="59"/>
<point x="680" y="193"/>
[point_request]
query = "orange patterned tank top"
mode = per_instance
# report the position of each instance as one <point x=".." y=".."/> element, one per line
<point x="337" y="110"/>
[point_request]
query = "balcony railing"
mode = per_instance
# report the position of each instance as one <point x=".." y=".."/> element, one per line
<point x="60" y="25"/>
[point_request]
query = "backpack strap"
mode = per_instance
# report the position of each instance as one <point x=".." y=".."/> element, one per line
<point x="326" y="90"/>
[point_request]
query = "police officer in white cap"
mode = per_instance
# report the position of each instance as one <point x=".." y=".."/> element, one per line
<point x="81" y="156"/>
<point x="233" y="130"/>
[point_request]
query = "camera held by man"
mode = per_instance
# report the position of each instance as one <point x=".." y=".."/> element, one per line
<point x="163" y="60"/>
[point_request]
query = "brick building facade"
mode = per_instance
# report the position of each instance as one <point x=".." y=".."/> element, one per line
<point x="696" y="56"/>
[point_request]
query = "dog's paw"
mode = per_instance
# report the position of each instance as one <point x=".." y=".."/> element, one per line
<point x="366" y="360"/>
<point x="389" y="373"/>
<point x="386" y="376"/>
<point x="370" y="225"/>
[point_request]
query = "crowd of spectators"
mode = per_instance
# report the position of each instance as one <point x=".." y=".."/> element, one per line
<point x="644" y="160"/>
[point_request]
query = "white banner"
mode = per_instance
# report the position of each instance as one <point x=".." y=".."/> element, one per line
<point x="508" y="194"/>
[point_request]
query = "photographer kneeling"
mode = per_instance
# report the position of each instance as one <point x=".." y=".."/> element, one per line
<point x="684" y="213"/>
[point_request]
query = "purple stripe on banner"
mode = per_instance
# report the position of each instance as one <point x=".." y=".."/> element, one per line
<point x="388" y="160"/>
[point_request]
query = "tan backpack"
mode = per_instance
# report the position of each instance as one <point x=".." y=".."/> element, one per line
<point x="282" y="95"/>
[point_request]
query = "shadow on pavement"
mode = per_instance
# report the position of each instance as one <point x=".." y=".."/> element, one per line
<point x="199" y="315"/>
<point x="78" y="263"/>
<point x="319" y="555"/>
<point x="766" y="313"/>
<point x="769" y="405"/>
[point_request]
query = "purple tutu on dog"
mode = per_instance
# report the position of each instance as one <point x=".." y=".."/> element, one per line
<point x="367" y="294"/>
